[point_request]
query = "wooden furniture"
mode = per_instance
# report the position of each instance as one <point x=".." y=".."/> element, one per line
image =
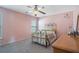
<point x="66" y="43"/>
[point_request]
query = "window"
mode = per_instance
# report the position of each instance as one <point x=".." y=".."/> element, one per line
<point x="34" y="25"/>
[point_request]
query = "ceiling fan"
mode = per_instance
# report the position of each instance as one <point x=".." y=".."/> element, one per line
<point x="36" y="9"/>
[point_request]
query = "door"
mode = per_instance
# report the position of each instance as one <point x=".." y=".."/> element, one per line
<point x="1" y="26"/>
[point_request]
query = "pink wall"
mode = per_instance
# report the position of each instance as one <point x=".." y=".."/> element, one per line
<point x="63" y="22"/>
<point x="17" y="26"/>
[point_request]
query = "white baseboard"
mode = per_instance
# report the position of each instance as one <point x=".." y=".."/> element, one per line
<point x="1" y="38"/>
<point x="12" y="40"/>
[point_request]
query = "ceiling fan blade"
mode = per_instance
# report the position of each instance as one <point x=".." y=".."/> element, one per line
<point x="29" y="6"/>
<point x="41" y="12"/>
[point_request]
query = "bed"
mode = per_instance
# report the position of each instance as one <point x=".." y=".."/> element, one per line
<point x="45" y="37"/>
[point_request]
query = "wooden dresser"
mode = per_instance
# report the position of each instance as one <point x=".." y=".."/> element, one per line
<point x="66" y="43"/>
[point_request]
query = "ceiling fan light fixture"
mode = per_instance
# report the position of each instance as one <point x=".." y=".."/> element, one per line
<point x="35" y="13"/>
<point x="37" y="9"/>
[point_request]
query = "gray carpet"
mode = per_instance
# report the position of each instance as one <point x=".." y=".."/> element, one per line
<point x="25" y="46"/>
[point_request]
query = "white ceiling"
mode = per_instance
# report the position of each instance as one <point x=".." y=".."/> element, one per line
<point x="49" y="9"/>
